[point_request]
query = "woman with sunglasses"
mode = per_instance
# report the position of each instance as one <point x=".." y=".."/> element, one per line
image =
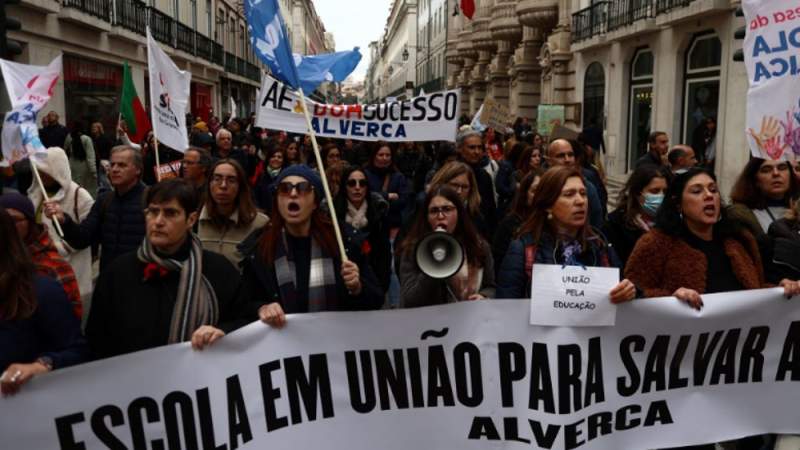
<point x="292" y="265"/>
<point x="444" y="210"/>
<point x="362" y="216"/>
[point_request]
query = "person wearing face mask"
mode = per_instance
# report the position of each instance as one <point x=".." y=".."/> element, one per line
<point x="557" y="232"/>
<point x="694" y="249"/>
<point x="444" y="210"/>
<point x="638" y="203"/>
<point x="293" y="265"/>
<point x="518" y="212"/>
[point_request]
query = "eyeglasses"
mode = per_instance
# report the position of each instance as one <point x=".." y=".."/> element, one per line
<point x="219" y="179"/>
<point x="459" y="187"/>
<point x="354" y="183"/>
<point x="152" y="212"/>
<point x="441" y="210"/>
<point x="303" y="187"/>
<point x="186" y="162"/>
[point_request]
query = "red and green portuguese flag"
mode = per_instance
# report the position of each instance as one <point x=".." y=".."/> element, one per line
<point x="131" y="108"/>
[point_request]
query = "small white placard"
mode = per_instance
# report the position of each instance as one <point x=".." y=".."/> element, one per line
<point x="573" y="296"/>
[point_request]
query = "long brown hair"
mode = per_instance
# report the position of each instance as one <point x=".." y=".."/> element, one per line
<point x="455" y="169"/>
<point x="321" y="231"/>
<point x="244" y="199"/>
<point x="17" y="298"/>
<point x="519" y="205"/>
<point x="547" y="193"/>
<point x="746" y="190"/>
<point x="465" y="231"/>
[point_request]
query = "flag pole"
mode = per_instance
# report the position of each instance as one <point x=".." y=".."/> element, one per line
<point x="44" y="194"/>
<point x="321" y="168"/>
<point x="158" y="162"/>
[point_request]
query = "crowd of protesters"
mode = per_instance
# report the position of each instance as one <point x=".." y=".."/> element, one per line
<point x="238" y="229"/>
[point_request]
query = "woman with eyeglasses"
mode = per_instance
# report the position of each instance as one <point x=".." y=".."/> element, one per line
<point x="362" y="216"/>
<point x="460" y="178"/>
<point x="762" y="194"/>
<point x="444" y="210"/>
<point x="557" y="232"/>
<point x="229" y="215"/>
<point x="293" y="265"/>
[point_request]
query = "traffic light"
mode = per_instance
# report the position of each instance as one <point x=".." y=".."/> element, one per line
<point x="739" y="34"/>
<point x="8" y="47"/>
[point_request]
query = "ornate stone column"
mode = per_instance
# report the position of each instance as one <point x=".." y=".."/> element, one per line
<point x="507" y="31"/>
<point x="538" y="17"/>
<point x="470" y="55"/>
<point x="483" y="42"/>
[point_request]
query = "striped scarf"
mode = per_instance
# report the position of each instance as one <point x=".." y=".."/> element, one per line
<point x="196" y="302"/>
<point x="322" y="294"/>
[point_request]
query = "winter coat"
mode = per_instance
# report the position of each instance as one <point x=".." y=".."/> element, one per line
<point x="513" y="282"/>
<point x="660" y="264"/>
<point x="398" y="184"/>
<point x="83" y="172"/>
<point x="503" y="236"/>
<point x="116" y="222"/>
<point x="225" y="240"/>
<point x="372" y="240"/>
<point x="260" y="281"/>
<point x="130" y="313"/>
<point x="621" y="235"/>
<point x="53" y="135"/>
<point x="783" y="260"/>
<point x="52" y="331"/>
<point x="486" y="191"/>
<point x="76" y="202"/>
<point x="418" y="289"/>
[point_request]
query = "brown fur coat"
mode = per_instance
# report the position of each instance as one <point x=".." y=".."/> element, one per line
<point x="660" y="264"/>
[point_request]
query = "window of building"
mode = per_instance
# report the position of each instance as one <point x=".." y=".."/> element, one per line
<point x="194" y="14"/>
<point x="243" y="47"/>
<point x="175" y="10"/>
<point x="641" y="104"/>
<point x="219" y="35"/>
<point x="701" y="93"/>
<point x="208" y="17"/>
<point x="232" y="35"/>
<point x="594" y="96"/>
<point x="93" y="90"/>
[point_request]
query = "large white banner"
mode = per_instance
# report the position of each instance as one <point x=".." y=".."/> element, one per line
<point x="29" y="89"/>
<point x="431" y="117"/>
<point x="169" y="96"/>
<point x="772" y="56"/>
<point x="472" y="375"/>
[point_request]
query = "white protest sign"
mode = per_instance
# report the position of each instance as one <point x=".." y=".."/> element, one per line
<point x="432" y="117"/>
<point x="573" y="296"/>
<point x="169" y="97"/>
<point x="469" y="375"/>
<point x="772" y="57"/>
<point x="29" y="89"/>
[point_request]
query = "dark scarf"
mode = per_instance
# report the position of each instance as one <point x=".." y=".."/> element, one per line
<point x="322" y="295"/>
<point x="196" y="303"/>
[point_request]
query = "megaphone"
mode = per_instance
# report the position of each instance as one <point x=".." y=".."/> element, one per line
<point x="439" y="255"/>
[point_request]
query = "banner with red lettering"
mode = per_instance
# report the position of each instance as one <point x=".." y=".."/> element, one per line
<point x="431" y="117"/>
<point x="471" y="375"/>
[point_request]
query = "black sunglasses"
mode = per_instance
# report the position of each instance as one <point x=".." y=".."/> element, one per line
<point x="302" y="187"/>
<point x="354" y="183"/>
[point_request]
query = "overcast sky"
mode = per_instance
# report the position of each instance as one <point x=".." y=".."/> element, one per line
<point x="354" y="23"/>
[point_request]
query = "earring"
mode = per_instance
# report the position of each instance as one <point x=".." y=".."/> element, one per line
<point x="549" y="215"/>
<point x="681" y="216"/>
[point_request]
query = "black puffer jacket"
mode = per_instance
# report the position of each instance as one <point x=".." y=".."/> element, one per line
<point x="115" y="222"/>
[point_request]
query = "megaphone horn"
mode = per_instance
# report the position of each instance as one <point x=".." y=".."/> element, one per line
<point x="439" y="255"/>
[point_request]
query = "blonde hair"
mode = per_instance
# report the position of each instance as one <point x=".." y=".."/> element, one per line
<point x="455" y="169"/>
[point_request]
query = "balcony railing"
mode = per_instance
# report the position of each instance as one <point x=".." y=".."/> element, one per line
<point x="241" y="67"/>
<point x="185" y="38"/>
<point x="663" y="6"/>
<point x="131" y="15"/>
<point x="162" y="27"/>
<point x="230" y="63"/>
<point x="253" y="72"/>
<point x="590" y="22"/>
<point x="217" y="54"/>
<point x="97" y="8"/>
<point x="203" y="46"/>
<point x="627" y="12"/>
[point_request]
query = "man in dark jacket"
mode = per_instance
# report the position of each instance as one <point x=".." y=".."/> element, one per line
<point x="116" y="221"/>
<point x="169" y="290"/>
<point x="470" y="149"/>
<point x="658" y="143"/>
<point x="52" y="133"/>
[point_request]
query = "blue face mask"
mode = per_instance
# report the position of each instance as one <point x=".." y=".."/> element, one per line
<point x="651" y="203"/>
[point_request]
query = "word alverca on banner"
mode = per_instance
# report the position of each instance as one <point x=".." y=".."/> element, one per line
<point x="432" y="117"/>
<point x="477" y="373"/>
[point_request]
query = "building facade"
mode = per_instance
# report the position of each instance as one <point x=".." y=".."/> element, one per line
<point x="432" y="18"/>
<point x="392" y="72"/>
<point x="208" y="38"/>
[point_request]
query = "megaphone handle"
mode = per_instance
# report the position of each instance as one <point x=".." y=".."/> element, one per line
<point x="450" y="290"/>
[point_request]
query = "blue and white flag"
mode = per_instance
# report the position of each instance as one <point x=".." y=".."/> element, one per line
<point x="334" y="67"/>
<point x="270" y="41"/>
